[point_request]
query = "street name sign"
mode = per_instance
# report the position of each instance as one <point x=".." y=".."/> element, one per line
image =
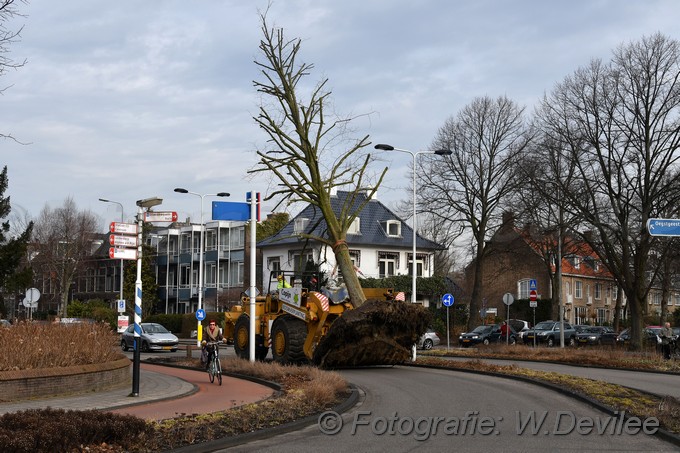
<point x="123" y="228"/>
<point x="160" y="216"/>
<point x="663" y="227"/>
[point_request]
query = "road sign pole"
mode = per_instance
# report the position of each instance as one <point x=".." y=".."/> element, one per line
<point x="448" y="331"/>
<point x="138" y="304"/>
<point x="534" y="326"/>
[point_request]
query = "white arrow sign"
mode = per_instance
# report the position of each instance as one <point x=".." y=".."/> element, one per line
<point x="123" y="241"/>
<point x="122" y="254"/>
<point x="167" y="216"/>
<point x="123" y="228"/>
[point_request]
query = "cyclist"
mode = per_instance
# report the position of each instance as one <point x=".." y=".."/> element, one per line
<point x="211" y="333"/>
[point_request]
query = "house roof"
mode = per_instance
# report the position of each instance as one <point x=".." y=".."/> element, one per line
<point x="371" y="227"/>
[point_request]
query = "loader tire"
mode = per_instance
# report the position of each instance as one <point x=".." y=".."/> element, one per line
<point x="288" y="339"/>
<point x="242" y="340"/>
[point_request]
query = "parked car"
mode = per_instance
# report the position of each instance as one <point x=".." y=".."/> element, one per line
<point x="548" y="332"/>
<point x="520" y="327"/>
<point x="581" y="327"/>
<point x="485" y="334"/>
<point x="154" y="337"/>
<point x="650" y="336"/>
<point x="428" y="340"/>
<point x="5" y="323"/>
<point x="596" y="335"/>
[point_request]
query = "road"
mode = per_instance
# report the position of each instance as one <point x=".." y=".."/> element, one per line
<point x="491" y="415"/>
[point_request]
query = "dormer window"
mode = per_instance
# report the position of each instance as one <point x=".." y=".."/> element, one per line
<point x="393" y="228"/>
<point x="355" y="227"/>
<point x="300" y="225"/>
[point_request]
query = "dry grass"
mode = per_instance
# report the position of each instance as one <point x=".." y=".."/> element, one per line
<point x="604" y="356"/>
<point x="31" y="345"/>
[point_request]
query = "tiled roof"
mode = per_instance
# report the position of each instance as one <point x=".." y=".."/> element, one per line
<point x="372" y="227"/>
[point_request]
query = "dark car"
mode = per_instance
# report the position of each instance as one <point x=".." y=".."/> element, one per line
<point x="650" y="336"/>
<point x="596" y="335"/>
<point x="548" y="332"/>
<point x="154" y="337"/>
<point x="490" y="333"/>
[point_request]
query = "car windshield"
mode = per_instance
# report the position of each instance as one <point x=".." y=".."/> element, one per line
<point x="592" y="330"/>
<point x="482" y="329"/>
<point x="155" y="328"/>
<point x="654" y="330"/>
<point x="544" y="326"/>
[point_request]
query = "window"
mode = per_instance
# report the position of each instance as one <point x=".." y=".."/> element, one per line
<point x="184" y="275"/>
<point x="300" y="225"/>
<point x="656" y="298"/>
<point x="300" y="260"/>
<point x="274" y="264"/>
<point x="210" y="240"/>
<point x="677" y="299"/>
<point x="581" y="315"/>
<point x="598" y="291"/>
<point x="421" y="263"/>
<point x="523" y="289"/>
<point x="578" y="290"/>
<point x="355" y="256"/>
<point x="393" y="228"/>
<point x="210" y="272"/>
<point x="576" y="262"/>
<point x="388" y="263"/>
<point x="602" y="315"/>
<point x="615" y="292"/>
<point x="355" y="227"/>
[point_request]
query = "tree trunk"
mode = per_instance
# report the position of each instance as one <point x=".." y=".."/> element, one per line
<point x="349" y="275"/>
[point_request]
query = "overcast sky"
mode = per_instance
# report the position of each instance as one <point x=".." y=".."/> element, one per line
<point x="129" y="99"/>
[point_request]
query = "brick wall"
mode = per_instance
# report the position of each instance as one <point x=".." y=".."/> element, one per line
<point x="27" y="384"/>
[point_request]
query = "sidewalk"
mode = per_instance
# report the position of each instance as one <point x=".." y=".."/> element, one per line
<point x="164" y="392"/>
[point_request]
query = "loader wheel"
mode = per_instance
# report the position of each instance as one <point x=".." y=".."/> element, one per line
<point x="242" y="340"/>
<point x="241" y="336"/>
<point x="288" y="339"/>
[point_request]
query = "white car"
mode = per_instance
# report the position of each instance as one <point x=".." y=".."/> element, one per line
<point x="428" y="340"/>
<point x="154" y="337"/>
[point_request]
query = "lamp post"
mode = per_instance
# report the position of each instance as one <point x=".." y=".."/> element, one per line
<point x="439" y="152"/>
<point x="122" y="219"/>
<point x="199" y="332"/>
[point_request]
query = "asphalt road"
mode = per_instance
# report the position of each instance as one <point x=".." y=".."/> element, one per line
<point x="406" y="409"/>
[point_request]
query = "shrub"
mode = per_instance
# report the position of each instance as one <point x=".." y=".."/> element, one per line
<point x="59" y="430"/>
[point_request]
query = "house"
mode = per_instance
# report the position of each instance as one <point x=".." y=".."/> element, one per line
<point x="513" y="262"/>
<point x="380" y="244"/>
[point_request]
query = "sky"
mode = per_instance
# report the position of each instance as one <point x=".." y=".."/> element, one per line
<point x="128" y="100"/>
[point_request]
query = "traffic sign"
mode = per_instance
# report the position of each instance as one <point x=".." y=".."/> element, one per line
<point x="32" y="295"/>
<point x="508" y="299"/>
<point x="532" y="285"/>
<point x="123" y="241"/>
<point x="200" y="314"/>
<point x="116" y="253"/>
<point x="532" y="299"/>
<point x="663" y="227"/>
<point x="121" y="305"/>
<point x="123" y="228"/>
<point x="447" y="299"/>
<point x="160" y="216"/>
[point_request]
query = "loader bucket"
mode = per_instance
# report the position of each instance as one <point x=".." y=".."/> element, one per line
<point x="377" y="333"/>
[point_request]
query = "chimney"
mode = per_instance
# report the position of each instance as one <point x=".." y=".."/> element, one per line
<point x="508" y="219"/>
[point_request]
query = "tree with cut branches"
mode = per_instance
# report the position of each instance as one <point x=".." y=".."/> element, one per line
<point x="309" y="155"/>
<point x="469" y="188"/>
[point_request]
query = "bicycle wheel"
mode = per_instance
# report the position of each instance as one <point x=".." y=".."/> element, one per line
<point x="219" y="372"/>
<point x="211" y="371"/>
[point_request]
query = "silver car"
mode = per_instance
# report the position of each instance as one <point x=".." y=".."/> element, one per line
<point x="428" y="340"/>
<point x="154" y="337"/>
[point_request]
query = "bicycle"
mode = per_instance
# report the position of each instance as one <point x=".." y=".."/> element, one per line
<point x="214" y="366"/>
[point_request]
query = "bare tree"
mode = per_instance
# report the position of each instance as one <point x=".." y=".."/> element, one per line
<point x="620" y="124"/>
<point x="304" y="157"/>
<point x="470" y="187"/>
<point x="63" y="240"/>
<point x="8" y="36"/>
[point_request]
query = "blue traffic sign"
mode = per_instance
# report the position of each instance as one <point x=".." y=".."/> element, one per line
<point x="200" y="314"/>
<point x="532" y="285"/>
<point x="663" y="227"/>
<point x="447" y="299"/>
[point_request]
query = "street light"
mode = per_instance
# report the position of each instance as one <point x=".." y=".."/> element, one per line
<point x="439" y="152"/>
<point x="122" y="219"/>
<point x="199" y="332"/>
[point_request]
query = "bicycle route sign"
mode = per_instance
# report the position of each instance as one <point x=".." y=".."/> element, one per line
<point x="200" y="314"/>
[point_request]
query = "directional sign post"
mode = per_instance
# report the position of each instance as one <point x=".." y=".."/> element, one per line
<point x="507" y="300"/>
<point x="532" y="303"/>
<point x="664" y="227"/>
<point x="123" y="228"/>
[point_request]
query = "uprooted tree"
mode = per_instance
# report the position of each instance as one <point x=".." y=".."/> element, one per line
<point x="304" y="155"/>
<point x="311" y="158"/>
